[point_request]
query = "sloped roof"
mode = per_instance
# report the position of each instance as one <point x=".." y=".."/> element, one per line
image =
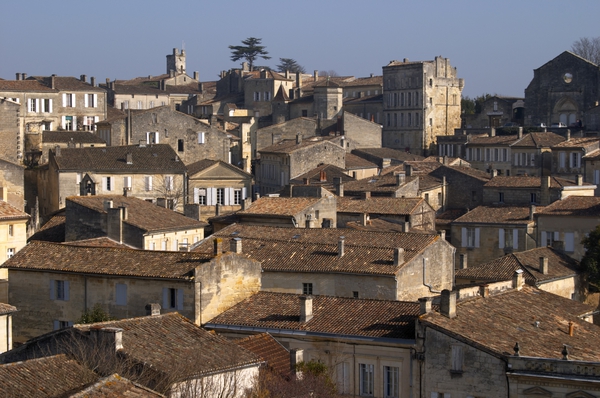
<point x="495" y="140"/>
<point x="280" y="206"/>
<point x="378" y="205"/>
<point x="159" y="158"/>
<point x="45" y="377"/>
<point x="7" y="309"/>
<point x="67" y="83"/>
<point x="503" y="268"/>
<point x="172" y="344"/>
<point x="331" y="315"/>
<point x="269" y="350"/>
<point x="577" y="142"/>
<point x="497" y="215"/>
<point x="204" y="164"/>
<point x="25" y="85"/>
<point x="386" y="183"/>
<point x="580" y="206"/>
<point x="331" y="171"/>
<point x="495" y="323"/>
<point x="116" y="386"/>
<point x="527" y="182"/>
<point x="388" y="153"/>
<point x="9" y="212"/>
<point x="53" y="230"/>
<point x="289" y="146"/>
<point x="84" y="137"/>
<point x="539" y="140"/>
<point x="142" y="214"/>
<point x="356" y="162"/>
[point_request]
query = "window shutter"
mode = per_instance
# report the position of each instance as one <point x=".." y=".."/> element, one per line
<point x="95" y="100"/>
<point x="64" y="100"/>
<point x="196" y="195"/>
<point x="70" y="324"/>
<point x="67" y="295"/>
<point x="180" y="299"/>
<point x="147" y="137"/>
<point x="74" y="99"/>
<point x="227" y="196"/>
<point x="515" y="239"/>
<point x="37" y="105"/>
<point x="49" y="106"/>
<point x="56" y="325"/>
<point x="214" y="196"/>
<point x="571" y="160"/>
<point x="64" y="122"/>
<point x="569" y="241"/>
<point x="104" y="181"/>
<point x="96" y="118"/>
<point x="501" y="238"/>
<point x="85" y="100"/>
<point x="464" y="237"/>
<point x="596" y="177"/>
<point x="148" y="183"/>
<point x="28" y="104"/>
<point x="52" y="292"/>
<point x="156" y="137"/>
<point x="544" y="239"/>
<point x="165" y="298"/>
<point x="561" y="157"/>
<point x="476" y="237"/>
<point x="244" y="193"/>
<point x="556" y="236"/>
<point x="74" y="123"/>
<point x="121" y="294"/>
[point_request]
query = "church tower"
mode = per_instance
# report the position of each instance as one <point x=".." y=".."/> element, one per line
<point x="176" y="62"/>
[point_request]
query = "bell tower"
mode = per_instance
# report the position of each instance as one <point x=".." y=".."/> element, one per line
<point x="176" y="62"/>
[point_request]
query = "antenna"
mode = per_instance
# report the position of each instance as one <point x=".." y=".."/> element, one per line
<point x="182" y="45"/>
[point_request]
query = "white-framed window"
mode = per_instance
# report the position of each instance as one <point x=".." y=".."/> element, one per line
<point x="200" y="196"/>
<point x="69" y="100"/>
<point x="121" y="294"/>
<point x="107" y="183"/>
<point x="508" y="238"/>
<point x="90" y="100"/>
<point x="88" y="122"/>
<point x="169" y="183"/>
<point x="68" y="123"/>
<point x="59" y="290"/>
<point x="11" y="230"/>
<point x="237" y="196"/>
<point x="140" y="105"/>
<point x="257" y="96"/>
<point x="10" y="252"/>
<point x="470" y="237"/>
<point x="33" y="105"/>
<point x="367" y="380"/>
<point x="152" y="137"/>
<point x="127" y="182"/>
<point x="56" y="324"/>
<point x="575" y="160"/>
<point x="46" y="104"/>
<point x="307" y="288"/>
<point x="391" y="381"/>
<point x="548" y="238"/>
<point x="172" y="298"/>
<point x="221" y="196"/>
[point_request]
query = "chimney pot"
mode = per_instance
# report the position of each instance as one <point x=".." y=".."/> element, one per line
<point x="425" y="303"/>
<point x="93" y="81"/>
<point x="108" y="204"/>
<point x="129" y="158"/>
<point x="443" y="234"/>
<point x="341" y="247"/>
<point x="306" y="308"/>
<point x="298" y="138"/>
<point x="236" y="245"/>
<point x="493" y="132"/>
<point x="517" y="279"/>
<point x="531" y="212"/>
<point x="152" y="309"/>
<point x="108" y="336"/>
<point x="398" y="256"/>
<point x="484" y="291"/>
<point x="544" y="265"/>
<point x="571" y="328"/>
<point x="448" y="303"/>
<point x="339" y="187"/>
<point x="365" y="195"/>
<point x="520" y="134"/>
<point x="579" y="179"/>
<point x="405" y="226"/>
<point x="218" y="246"/>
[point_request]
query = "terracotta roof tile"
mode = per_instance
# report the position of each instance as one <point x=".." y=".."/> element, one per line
<point x="497" y="215"/>
<point x="495" y="140"/>
<point x="356" y="162"/>
<point x="495" y="323"/>
<point x="9" y="212"/>
<point x="539" y="140"/>
<point x="98" y="242"/>
<point x="361" y="317"/>
<point x="378" y="205"/>
<point x="7" y="309"/>
<point x="331" y="172"/>
<point x="279" y="206"/>
<point x="45" y="377"/>
<point x="269" y="350"/>
<point x="25" y="85"/>
<point x="387" y="153"/>
<point x="115" y="386"/>
<point x="289" y="146"/>
<point x="53" y="230"/>
<point x="380" y="224"/>
<point x="581" y="206"/>
<point x="578" y="142"/>
<point x="67" y="83"/>
<point x="527" y="182"/>
<point x="84" y="137"/>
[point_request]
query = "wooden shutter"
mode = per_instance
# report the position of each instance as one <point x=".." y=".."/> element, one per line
<point x="64" y="100"/>
<point x="121" y="294"/>
<point x="50" y="106"/>
<point x="569" y="241"/>
<point x="64" y="121"/>
<point x="95" y="100"/>
<point x="244" y="193"/>
<point x="74" y="127"/>
<point x="501" y="238"/>
<point x="515" y="239"/>
<point x="196" y="195"/>
<point x="477" y="237"/>
<point x="67" y="294"/>
<point x="543" y="240"/>
<point x="165" y="298"/>
<point x="179" y="299"/>
<point x="463" y="237"/>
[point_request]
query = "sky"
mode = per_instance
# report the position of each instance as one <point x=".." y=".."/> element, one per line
<point x="495" y="45"/>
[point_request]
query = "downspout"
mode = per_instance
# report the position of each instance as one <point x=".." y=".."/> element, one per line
<point x="354" y="370"/>
<point x="431" y="289"/>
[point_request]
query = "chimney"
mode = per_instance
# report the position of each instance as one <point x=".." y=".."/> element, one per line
<point x="124" y="212"/>
<point x="129" y="158"/>
<point x="152" y="309"/>
<point x="93" y="81"/>
<point x="400" y="179"/>
<point x="462" y="261"/>
<point x="17" y="76"/>
<point x="108" y="204"/>
<point x="443" y="234"/>
<point x="236" y="245"/>
<point x="405" y="60"/>
<point x="425" y="304"/>
<point x="218" y="246"/>
<point x="341" y="247"/>
<point x="23" y="76"/>
<point x="192" y="210"/>
<point x="568" y="134"/>
<point x="339" y="187"/>
<point x="306" y="181"/>
<point x="405" y="226"/>
<point x="322" y="176"/>
<point x="398" y="256"/>
<point x="517" y="279"/>
<point x="493" y="132"/>
<point x="298" y="138"/>
<point x="544" y="265"/>
<point x="306" y="308"/>
<point x="257" y="196"/>
<point x="365" y="195"/>
<point x="484" y="291"/>
<point x="363" y="219"/>
<point x="386" y="162"/>
<point x="571" y="328"/>
<point x="83" y="78"/>
<point x="57" y="151"/>
<point x="108" y="337"/>
<point x="218" y="209"/>
<point x="448" y="304"/>
<point x="520" y="134"/>
<point x="408" y="169"/>
<point x="196" y="75"/>
<point x="531" y="212"/>
<point x="494" y="173"/>
<point x="246" y="203"/>
<point x="53" y="82"/>
<point x="579" y="180"/>
<point x="296" y="357"/>
<point x="316" y="75"/>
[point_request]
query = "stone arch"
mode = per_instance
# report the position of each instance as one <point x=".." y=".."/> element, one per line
<point x="565" y="111"/>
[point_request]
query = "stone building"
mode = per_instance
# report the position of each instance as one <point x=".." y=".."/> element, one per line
<point x="562" y="90"/>
<point x="65" y="139"/>
<point x="12" y="182"/>
<point x="532" y="154"/>
<point x="491" y="153"/>
<point x="421" y="101"/>
<point x="13" y="230"/>
<point x="54" y="284"/>
<point x="567" y="156"/>
<point x="11" y="131"/>
<point x="496" y="111"/>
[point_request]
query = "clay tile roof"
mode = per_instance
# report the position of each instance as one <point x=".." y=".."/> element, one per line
<point x="363" y="81"/>
<point x="384" y="183"/>
<point x="159" y="158"/>
<point x="495" y="140"/>
<point x="269" y="350"/>
<point x="378" y="205"/>
<point x="356" y="162"/>
<point x="53" y="230"/>
<point x="577" y="142"/>
<point x="331" y="315"/>
<point x="289" y="146"/>
<point x="495" y="323"/>
<point x="98" y="242"/>
<point x="581" y="206"/>
<point x="331" y="172"/>
<point x="7" y="309"/>
<point x="539" y="140"/>
<point x="45" y="377"/>
<point x="527" y="182"/>
<point x="503" y="268"/>
<point x="425" y="166"/>
<point x="388" y="153"/>
<point x="315" y="249"/>
<point x="9" y="212"/>
<point x="63" y="83"/>
<point x="142" y="214"/>
<point x="378" y="225"/>
<point x="115" y="386"/>
<point x="84" y="137"/>
<point x="200" y="165"/>
<point x="497" y="215"/>
<point x="172" y="344"/>
<point x="38" y="255"/>
<point x="479" y="174"/>
<point x="24" y="85"/>
<point x="279" y="206"/>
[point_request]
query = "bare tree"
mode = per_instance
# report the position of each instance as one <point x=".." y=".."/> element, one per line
<point x="588" y="48"/>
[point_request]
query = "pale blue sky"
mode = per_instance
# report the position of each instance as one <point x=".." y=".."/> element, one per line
<point x="495" y="45"/>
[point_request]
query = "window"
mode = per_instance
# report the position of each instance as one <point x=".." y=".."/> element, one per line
<point x="533" y="197"/>
<point x="237" y="196"/>
<point x="569" y="242"/>
<point x="307" y="288"/>
<point x="388" y="120"/>
<point x="548" y="238"/>
<point x="575" y="160"/>
<point x="69" y="100"/>
<point x="169" y="183"/>
<point x="366" y="379"/>
<point x="267" y="96"/>
<point x="409" y="119"/>
<point x="68" y="123"/>
<point x="561" y="159"/>
<point x="200" y="196"/>
<point x="140" y="105"/>
<point x="33" y="104"/>
<point x="417" y="119"/>
<point x="355" y="294"/>
<point x="173" y="298"/>
<point x="470" y="237"/>
<point x="256" y="96"/>
<point x="47" y="126"/>
<point x="59" y="290"/>
<point x="221" y="196"/>
<point x="201" y="137"/>
<point x="121" y="294"/>
<point x="91" y="100"/>
<point x="152" y="137"/>
<point x="305" y="114"/>
<point x="61" y="324"/>
<point x="508" y="238"/>
<point x="180" y="145"/>
<point x="148" y="183"/>
<point x="107" y="183"/>
<point x="125" y="104"/>
<point x="88" y="122"/>
<point x="395" y="120"/>
<point x="427" y="197"/>
<point x="457" y="359"/>
<point x="10" y="252"/>
<point x="11" y="230"/>
<point x="391" y="382"/>
<point x="501" y="197"/>
<point x="127" y="182"/>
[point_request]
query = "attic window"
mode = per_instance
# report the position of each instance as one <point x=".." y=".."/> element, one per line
<point x="296" y="236"/>
<point x="235" y="233"/>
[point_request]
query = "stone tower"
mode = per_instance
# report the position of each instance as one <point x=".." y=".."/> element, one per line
<point x="328" y="99"/>
<point x="176" y="62"/>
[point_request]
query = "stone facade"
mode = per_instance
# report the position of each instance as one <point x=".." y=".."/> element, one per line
<point x="11" y="131"/>
<point x="562" y="90"/>
<point x="421" y="101"/>
<point x="12" y="181"/>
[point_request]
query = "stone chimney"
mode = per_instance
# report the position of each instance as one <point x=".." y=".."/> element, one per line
<point x="520" y="133"/>
<point x="17" y="76"/>
<point x="341" y="247"/>
<point x="405" y="226"/>
<point x="298" y="138"/>
<point x="196" y="75"/>
<point x="108" y="204"/>
<point x="93" y="81"/>
<point x="579" y="180"/>
<point x="448" y="303"/>
<point x="544" y="265"/>
<point x="339" y="187"/>
<point x="192" y="210"/>
<point x="398" y="256"/>
<point x="23" y="76"/>
<point x="365" y="195"/>
<point x="108" y="337"/>
<point x="386" y="162"/>
<point x="517" y="279"/>
<point x="316" y="75"/>
<point x="568" y="134"/>
<point x="400" y="179"/>
<point x="83" y="78"/>
<point x="53" y="82"/>
<point x="531" y="212"/>
<point x="493" y="132"/>
<point x="236" y="245"/>
<point x="462" y="261"/>
<point x="322" y="176"/>
<point x="443" y="234"/>
<point x="363" y="219"/>
<point x="306" y="308"/>
<point x="484" y="291"/>
<point x="129" y="157"/>
<point x="152" y="309"/>
<point x="494" y="173"/>
<point x="246" y="203"/>
<point x="218" y="246"/>
<point x="425" y="304"/>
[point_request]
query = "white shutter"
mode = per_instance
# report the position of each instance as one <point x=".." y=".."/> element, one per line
<point x="196" y="195"/>
<point x="74" y="123"/>
<point x="37" y="105"/>
<point x="214" y="196"/>
<point x="74" y="100"/>
<point x="244" y="193"/>
<point x="50" y="105"/>
<point x="165" y="298"/>
<point x="501" y="238"/>
<point x="64" y="100"/>
<point x="464" y="237"/>
<point x="477" y="237"/>
<point x="104" y="183"/>
<point x="96" y="118"/>
<point x="148" y="183"/>
<point x="147" y="137"/>
<point x="209" y="200"/>
<point x="556" y="236"/>
<point x="226" y="198"/>
<point x="156" y="137"/>
<point x="95" y="100"/>
<point x="543" y="240"/>
<point x="85" y="100"/>
<point x="28" y="104"/>
<point x="179" y="299"/>
<point x="515" y="239"/>
<point x="64" y="121"/>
